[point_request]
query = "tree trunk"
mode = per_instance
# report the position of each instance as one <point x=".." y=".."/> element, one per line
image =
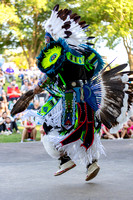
<point x="127" y="43"/>
<point x="130" y="59"/>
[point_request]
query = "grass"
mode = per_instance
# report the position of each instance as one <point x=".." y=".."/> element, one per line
<point x="15" y="137"/>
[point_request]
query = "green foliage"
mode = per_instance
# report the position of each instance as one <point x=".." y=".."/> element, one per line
<point x="112" y="20"/>
<point x="21" y="25"/>
<point x="21" y="22"/>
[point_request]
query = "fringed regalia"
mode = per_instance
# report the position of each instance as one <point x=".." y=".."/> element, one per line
<point x="84" y="93"/>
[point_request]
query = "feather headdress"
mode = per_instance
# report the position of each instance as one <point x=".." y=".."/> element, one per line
<point x="63" y="24"/>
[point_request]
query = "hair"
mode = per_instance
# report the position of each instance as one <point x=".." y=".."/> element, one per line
<point x="4" y="112"/>
<point x="131" y="118"/>
<point x="8" y="117"/>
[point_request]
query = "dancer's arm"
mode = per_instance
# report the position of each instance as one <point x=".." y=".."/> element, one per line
<point x="42" y="84"/>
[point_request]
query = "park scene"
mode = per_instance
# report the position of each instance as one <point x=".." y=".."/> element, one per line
<point x="66" y="99"/>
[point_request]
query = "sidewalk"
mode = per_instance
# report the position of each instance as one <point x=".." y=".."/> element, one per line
<point x="26" y="173"/>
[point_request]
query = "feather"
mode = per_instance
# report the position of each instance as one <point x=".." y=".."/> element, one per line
<point x="68" y="33"/>
<point x="104" y="120"/>
<point x="127" y="72"/>
<point x="113" y="71"/>
<point x="56" y="8"/>
<point x="63" y="15"/>
<point x="86" y="26"/>
<point x="90" y="38"/>
<point x="73" y="15"/>
<point x="82" y="23"/>
<point x="88" y="43"/>
<point x="77" y="19"/>
<point x="117" y="96"/>
<point x="66" y="25"/>
<point x="130" y="79"/>
<point x="22" y="103"/>
<point x="63" y="20"/>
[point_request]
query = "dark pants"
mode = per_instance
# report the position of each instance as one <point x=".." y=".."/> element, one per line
<point x="14" y="125"/>
<point x="2" y="127"/>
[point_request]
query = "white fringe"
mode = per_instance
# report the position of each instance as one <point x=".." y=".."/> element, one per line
<point x="78" y="153"/>
<point x="53" y="118"/>
<point x="48" y="145"/>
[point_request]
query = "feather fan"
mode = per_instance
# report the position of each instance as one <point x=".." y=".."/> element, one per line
<point x="114" y="96"/>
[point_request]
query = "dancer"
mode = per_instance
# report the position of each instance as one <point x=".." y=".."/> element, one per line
<point x="83" y="94"/>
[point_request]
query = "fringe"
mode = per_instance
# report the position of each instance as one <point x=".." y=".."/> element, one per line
<point x="77" y="152"/>
<point x="53" y="118"/>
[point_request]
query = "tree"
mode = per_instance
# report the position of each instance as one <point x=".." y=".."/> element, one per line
<point x="112" y="20"/>
<point x="21" y="25"/>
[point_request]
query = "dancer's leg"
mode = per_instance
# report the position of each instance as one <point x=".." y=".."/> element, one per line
<point x="65" y="165"/>
<point x="92" y="170"/>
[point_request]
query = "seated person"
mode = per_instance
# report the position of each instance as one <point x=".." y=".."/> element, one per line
<point x="127" y="130"/>
<point x="9" y="73"/>
<point x="42" y="132"/>
<point x="30" y="86"/>
<point x="14" y="124"/>
<point x="11" y="104"/>
<point x="24" y="87"/>
<point x="106" y="133"/>
<point x="35" y="81"/>
<point x="13" y="92"/>
<point x="2" y="123"/>
<point x="2" y="93"/>
<point x="8" y="125"/>
<point x="34" y="106"/>
<point x="29" y="131"/>
<point x="2" y="77"/>
<point x="21" y="75"/>
<point x="3" y="107"/>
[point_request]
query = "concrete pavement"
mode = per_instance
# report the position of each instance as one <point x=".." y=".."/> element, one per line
<point x="26" y="173"/>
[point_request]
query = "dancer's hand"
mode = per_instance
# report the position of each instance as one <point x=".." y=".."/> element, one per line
<point x="37" y="90"/>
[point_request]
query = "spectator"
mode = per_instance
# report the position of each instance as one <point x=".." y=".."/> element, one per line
<point x="2" y="123"/>
<point x="8" y="125"/>
<point x="35" y="81"/>
<point x="13" y="92"/>
<point x="30" y="86"/>
<point x="9" y="73"/>
<point x="3" y="107"/>
<point x="29" y="131"/>
<point x="2" y="77"/>
<point x="2" y="94"/>
<point x="42" y="132"/>
<point x="14" y="82"/>
<point x="106" y="133"/>
<point x="24" y="87"/>
<point x="21" y="75"/>
<point x="14" y="124"/>
<point x="127" y="130"/>
<point x="11" y="104"/>
<point x="34" y="106"/>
